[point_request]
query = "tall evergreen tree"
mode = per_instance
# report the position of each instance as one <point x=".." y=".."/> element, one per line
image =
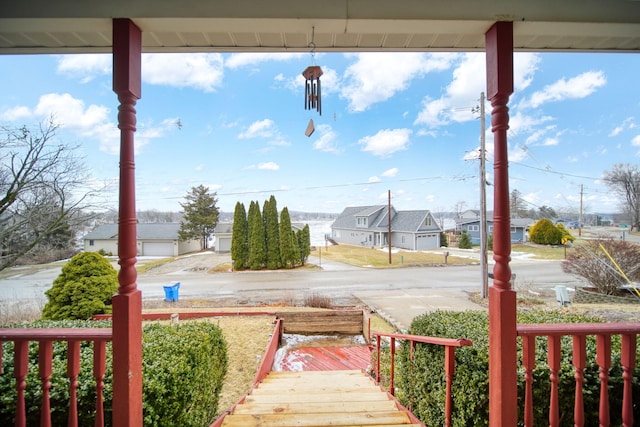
<point x="272" y="230"/>
<point x="257" y="243"/>
<point x="304" y="243"/>
<point x="240" y="238"/>
<point x="200" y="215"/>
<point x="288" y="242"/>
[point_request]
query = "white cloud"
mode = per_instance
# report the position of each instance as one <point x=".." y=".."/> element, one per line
<point x="16" y="113"/>
<point x="386" y="142"/>
<point x="551" y="142"/>
<point x="373" y="179"/>
<point x="261" y="129"/>
<point x="628" y="123"/>
<point x="238" y="60"/>
<point x="266" y="166"/>
<point x="327" y="141"/>
<point x="461" y="95"/>
<point x="636" y="141"/>
<point x="86" y="66"/>
<point x="196" y="70"/>
<point x="468" y="80"/>
<point x="577" y="87"/>
<point x="376" y="77"/>
<point x="89" y="122"/>
<point x="525" y="64"/>
<point x="390" y="172"/>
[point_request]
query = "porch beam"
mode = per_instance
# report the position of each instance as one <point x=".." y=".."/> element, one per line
<point x="127" y="304"/>
<point x="503" y="402"/>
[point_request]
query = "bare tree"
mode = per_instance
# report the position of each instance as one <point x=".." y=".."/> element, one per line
<point x="624" y="180"/>
<point x="39" y="179"/>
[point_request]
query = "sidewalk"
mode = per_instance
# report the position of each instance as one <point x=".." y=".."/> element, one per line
<point x="400" y="307"/>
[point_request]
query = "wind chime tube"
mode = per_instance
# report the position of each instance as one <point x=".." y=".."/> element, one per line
<point x="319" y="108"/>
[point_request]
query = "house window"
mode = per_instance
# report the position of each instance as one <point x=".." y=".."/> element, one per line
<point x="514" y="230"/>
<point x="491" y="229"/>
<point x="427" y="221"/>
<point x="361" y="221"/>
<point x="473" y="228"/>
<point x="90" y="242"/>
<point x="402" y="239"/>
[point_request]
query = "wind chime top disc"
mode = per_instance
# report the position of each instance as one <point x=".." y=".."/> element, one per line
<point x="312" y="72"/>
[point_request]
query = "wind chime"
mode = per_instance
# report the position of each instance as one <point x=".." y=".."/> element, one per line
<point x="312" y="88"/>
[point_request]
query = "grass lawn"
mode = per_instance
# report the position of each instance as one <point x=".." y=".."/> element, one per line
<point x="368" y="257"/>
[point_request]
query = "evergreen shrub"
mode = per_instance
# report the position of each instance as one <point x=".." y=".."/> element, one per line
<point x="421" y="383"/>
<point x="183" y="372"/>
<point x="83" y="288"/>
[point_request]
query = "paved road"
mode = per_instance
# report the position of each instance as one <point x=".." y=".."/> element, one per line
<point x="399" y="294"/>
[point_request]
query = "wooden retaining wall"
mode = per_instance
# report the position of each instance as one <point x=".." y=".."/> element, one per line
<point x="325" y="322"/>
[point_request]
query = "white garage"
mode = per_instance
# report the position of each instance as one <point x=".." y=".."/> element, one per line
<point x="157" y="249"/>
<point x="426" y="241"/>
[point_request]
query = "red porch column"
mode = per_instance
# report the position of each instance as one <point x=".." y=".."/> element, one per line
<point x="127" y="304"/>
<point x="503" y="409"/>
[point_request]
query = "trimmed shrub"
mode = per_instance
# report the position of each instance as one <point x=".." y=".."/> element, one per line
<point x="421" y="383"/>
<point x="544" y="232"/>
<point x="183" y="372"/>
<point x="184" y="368"/>
<point x="83" y="288"/>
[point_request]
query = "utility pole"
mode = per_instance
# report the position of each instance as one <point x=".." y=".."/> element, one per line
<point x="580" y="215"/>
<point x="483" y="204"/>
<point x="389" y="219"/>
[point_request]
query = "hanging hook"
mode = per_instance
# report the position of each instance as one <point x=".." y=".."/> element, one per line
<point x="312" y="45"/>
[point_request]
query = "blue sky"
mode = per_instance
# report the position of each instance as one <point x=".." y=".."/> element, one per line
<point x="391" y="121"/>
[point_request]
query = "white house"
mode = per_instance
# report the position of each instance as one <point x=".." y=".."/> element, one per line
<point x="155" y="239"/>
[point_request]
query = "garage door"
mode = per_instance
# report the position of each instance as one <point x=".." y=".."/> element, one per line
<point x="427" y="241"/>
<point x="157" y="249"/>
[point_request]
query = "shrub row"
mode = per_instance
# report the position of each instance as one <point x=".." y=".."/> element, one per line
<point x="421" y="383"/>
<point x="183" y="372"/>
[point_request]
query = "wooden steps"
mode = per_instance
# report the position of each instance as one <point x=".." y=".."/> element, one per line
<point x="317" y="398"/>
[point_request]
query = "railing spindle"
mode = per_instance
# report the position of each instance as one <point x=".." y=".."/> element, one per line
<point x="579" y="364"/>
<point x="20" y="368"/>
<point x="45" y="364"/>
<point x="99" y="367"/>
<point x="554" y="366"/>
<point x="392" y="388"/>
<point x="449" y="369"/>
<point x="628" y="360"/>
<point x="73" y="369"/>
<point x="603" y="359"/>
<point x="529" y="362"/>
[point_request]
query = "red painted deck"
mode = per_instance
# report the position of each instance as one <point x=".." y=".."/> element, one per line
<point x="327" y="358"/>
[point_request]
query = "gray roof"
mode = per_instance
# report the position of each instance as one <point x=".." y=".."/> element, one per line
<point x="409" y="221"/>
<point x="151" y="231"/>
<point x="346" y="218"/>
<point x="223" y="228"/>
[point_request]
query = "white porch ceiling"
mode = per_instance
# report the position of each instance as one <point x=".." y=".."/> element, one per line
<point x="66" y="26"/>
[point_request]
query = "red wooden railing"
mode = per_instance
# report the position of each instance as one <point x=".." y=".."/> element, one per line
<point x="449" y="345"/>
<point x="579" y="332"/>
<point x="263" y="369"/>
<point x="45" y="338"/>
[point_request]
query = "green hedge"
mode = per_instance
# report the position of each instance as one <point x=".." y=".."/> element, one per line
<point x="421" y="384"/>
<point x="183" y="371"/>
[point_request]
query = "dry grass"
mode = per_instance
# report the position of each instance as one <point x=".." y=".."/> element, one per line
<point x="247" y="338"/>
<point x="368" y="257"/>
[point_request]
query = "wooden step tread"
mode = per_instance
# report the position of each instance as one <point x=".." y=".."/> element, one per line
<point x="317" y="397"/>
<point x="315" y="407"/>
<point x="316" y="419"/>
